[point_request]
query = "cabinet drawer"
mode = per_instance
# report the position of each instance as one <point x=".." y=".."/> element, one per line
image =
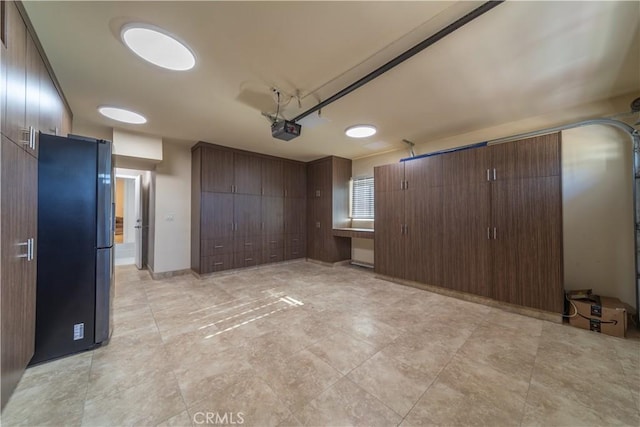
<point x="247" y="259"/>
<point x="296" y="240"/>
<point x="297" y="251"/>
<point x="216" y="246"/>
<point x="273" y="255"/>
<point x="217" y="263"/>
<point x="249" y="243"/>
<point x="274" y="242"/>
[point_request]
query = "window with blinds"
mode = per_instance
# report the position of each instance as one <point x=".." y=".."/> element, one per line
<point x="362" y="198"/>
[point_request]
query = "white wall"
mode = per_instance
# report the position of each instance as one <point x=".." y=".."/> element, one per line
<point x="172" y="209"/>
<point x="597" y="208"/>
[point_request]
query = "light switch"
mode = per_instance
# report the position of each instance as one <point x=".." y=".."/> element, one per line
<point x="170" y="217"/>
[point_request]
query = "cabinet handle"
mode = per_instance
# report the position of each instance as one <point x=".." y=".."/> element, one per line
<point x="215" y="264"/>
<point x="218" y="246"/>
<point x="248" y="244"/>
<point x="285" y="192"/>
<point x="488" y="233"/>
<point x="26" y="255"/>
<point x="32" y="137"/>
<point x="494" y="233"/>
<point x="273" y="241"/>
<point x="294" y="240"/>
<point x="273" y="256"/>
<point x="26" y="132"/>
<point x="494" y="174"/>
<point x="488" y="176"/>
<point x="406" y="185"/>
<point x="401" y="184"/>
<point x="248" y="259"/>
<point x="401" y="228"/>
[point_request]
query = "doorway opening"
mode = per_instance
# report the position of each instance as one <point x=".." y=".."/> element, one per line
<point x="129" y="220"/>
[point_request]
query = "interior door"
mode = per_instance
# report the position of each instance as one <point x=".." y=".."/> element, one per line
<point x="139" y="224"/>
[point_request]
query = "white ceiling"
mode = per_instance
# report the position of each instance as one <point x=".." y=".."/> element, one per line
<point x="521" y="59"/>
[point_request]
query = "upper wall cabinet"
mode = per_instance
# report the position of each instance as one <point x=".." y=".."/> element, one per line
<point x="218" y="176"/>
<point x="272" y="177"/>
<point x="295" y="179"/>
<point x="14" y="121"/>
<point x="30" y="101"/>
<point x="247" y="172"/>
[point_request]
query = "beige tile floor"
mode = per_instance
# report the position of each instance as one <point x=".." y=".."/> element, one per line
<point x="303" y="344"/>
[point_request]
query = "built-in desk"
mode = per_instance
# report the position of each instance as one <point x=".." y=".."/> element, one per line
<point x="359" y="233"/>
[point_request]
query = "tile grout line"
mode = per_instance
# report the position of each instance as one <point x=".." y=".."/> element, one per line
<point x="86" y="392"/>
<point x="533" y="367"/>
<point x="444" y="367"/>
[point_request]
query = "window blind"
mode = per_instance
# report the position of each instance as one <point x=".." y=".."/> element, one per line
<point x="362" y="198"/>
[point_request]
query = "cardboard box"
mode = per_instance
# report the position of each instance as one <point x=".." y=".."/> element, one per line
<point x="600" y="314"/>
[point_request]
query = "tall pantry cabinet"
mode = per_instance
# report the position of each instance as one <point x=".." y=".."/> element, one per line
<point x="496" y="213"/>
<point x="328" y="208"/>
<point x="30" y="103"/>
<point x="246" y="209"/>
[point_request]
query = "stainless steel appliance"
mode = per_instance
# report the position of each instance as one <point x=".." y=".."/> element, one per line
<point x="75" y="245"/>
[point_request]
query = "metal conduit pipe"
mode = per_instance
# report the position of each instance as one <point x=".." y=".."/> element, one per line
<point x="635" y="141"/>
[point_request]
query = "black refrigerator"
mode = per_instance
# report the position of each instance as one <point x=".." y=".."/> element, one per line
<point x="75" y="245"/>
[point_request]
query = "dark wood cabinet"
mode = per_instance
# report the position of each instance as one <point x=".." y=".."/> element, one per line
<point x="466" y="247"/>
<point x="235" y="225"/>
<point x="328" y="207"/>
<point x="247" y="173"/>
<point x="272" y="177"/>
<point x="14" y="122"/>
<point x="408" y="220"/>
<point x="218" y="175"/>
<point x="527" y="249"/>
<point x="30" y="102"/>
<point x="390" y="241"/>
<point x="18" y="223"/>
<point x="295" y="179"/>
<point x="485" y="221"/>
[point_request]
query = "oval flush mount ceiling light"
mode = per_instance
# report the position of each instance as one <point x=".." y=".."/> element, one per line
<point x="360" y="131"/>
<point x="122" y="115"/>
<point x="158" y="47"/>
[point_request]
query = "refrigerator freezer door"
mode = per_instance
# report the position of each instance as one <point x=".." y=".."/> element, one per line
<point x="104" y="293"/>
<point x="106" y="212"/>
<point x="65" y="299"/>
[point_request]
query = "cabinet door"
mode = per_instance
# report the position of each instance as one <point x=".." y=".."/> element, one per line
<point x="295" y="215"/>
<point x="540" y="271"/>
<point x="425" y="223"/>
<point x="505" y="210"/>
<point x="16" y="290"/>
<point x="272" y="178"/>
<point x="30" y="230"/>
<point x="528" y="158"/>
<point x="51" y="105"/>
<point x="466" y="250"/>
<point x="423" y="173"/>
<point x="247" y="172"/>
<point x="389" y="177"/>
<point x="246" y="213"/>
<point x="217" y="170"/>
<point x="314" y="229"/>
<point x="13" y="125"/>
<point x="33" y="66"/>
<point x="466" y="167"/>
<point x="390" y="240"/>
<point x="273" y="215"/>
<point x="217" y="217"/>
<point x="295" y="179"/>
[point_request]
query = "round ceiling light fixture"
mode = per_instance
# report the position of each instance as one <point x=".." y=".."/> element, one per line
<point x="157" y="46"/>
<point x="360" y="131"/>
<point x="122" y="115"/>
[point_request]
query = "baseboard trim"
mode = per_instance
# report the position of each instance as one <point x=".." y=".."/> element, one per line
<point x="329" y="264"/>
<point x="236" y="270"/>
<point x="511" y="308"/>
<point x="167" y="274"/>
